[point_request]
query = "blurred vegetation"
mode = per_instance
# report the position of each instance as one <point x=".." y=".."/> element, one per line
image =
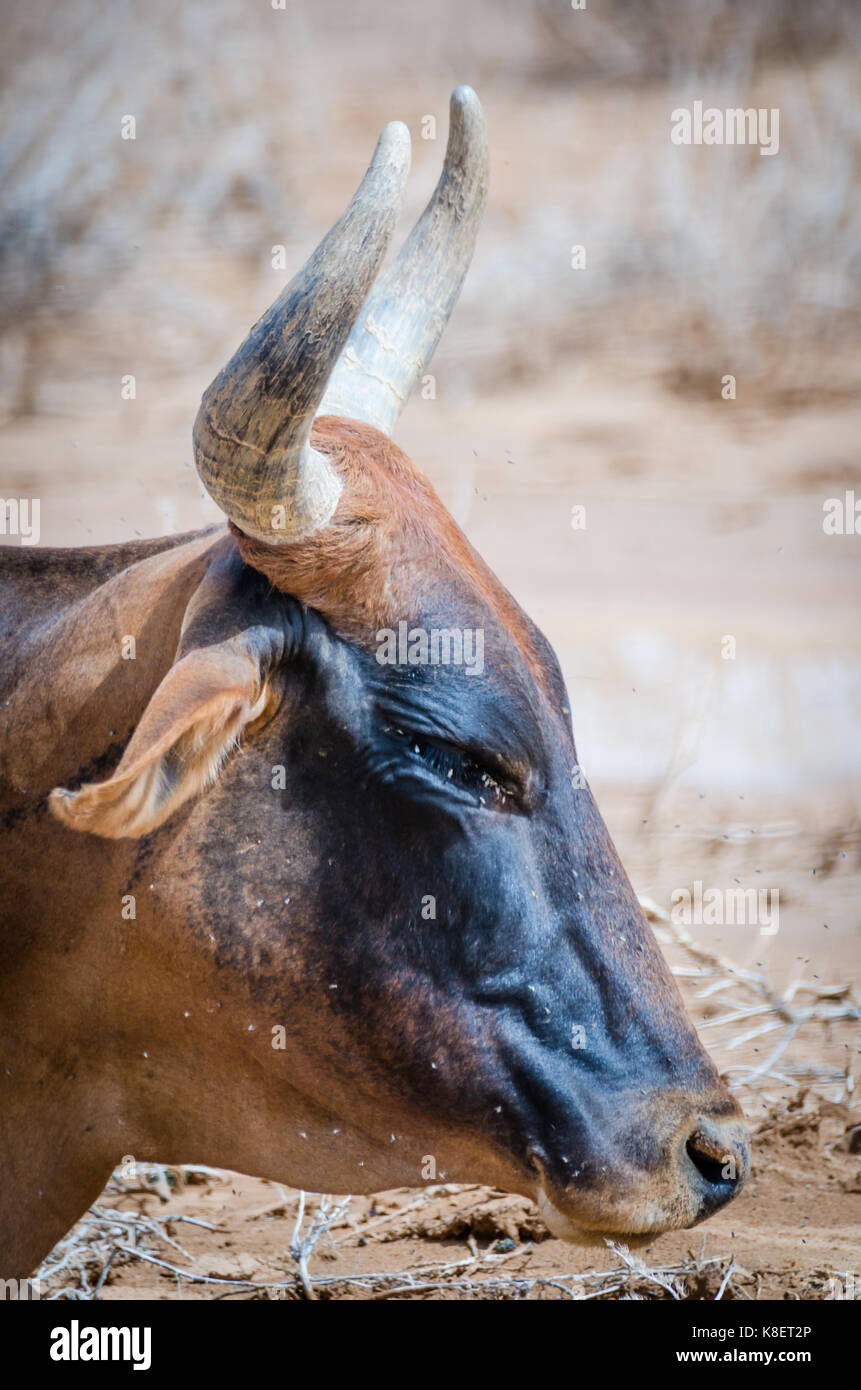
<point x="241" y="109"/>
<point x="661" y="40"/>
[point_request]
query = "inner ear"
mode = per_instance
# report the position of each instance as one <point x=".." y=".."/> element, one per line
<point x="197" y="715"/>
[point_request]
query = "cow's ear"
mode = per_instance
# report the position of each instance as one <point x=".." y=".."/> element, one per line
<point x="195" y="717"/>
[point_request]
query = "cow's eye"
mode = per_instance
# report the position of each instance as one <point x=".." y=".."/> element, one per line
<point x="452" y="765"/>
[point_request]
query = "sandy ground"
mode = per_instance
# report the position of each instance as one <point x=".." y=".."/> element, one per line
<point x="794" y="1233"/>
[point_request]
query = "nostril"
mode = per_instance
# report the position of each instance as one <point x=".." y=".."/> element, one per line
<point x="713" y="1159"/>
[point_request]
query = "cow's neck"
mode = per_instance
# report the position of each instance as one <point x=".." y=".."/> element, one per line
<point x="66" y="710"/>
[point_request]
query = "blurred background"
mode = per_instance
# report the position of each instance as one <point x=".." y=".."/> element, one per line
<point x="598" y="387"/>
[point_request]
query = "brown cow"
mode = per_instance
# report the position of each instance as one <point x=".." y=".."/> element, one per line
<point x="271" y="827"/>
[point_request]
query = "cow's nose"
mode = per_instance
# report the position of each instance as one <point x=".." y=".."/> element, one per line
<point x="717" y="1155"/>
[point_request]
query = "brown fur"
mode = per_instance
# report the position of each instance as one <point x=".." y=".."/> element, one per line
<point x="259" y="905"/>
<point x="390" y="539"/>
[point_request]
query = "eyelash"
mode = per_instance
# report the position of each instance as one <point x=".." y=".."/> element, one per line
<point x="451" y="765"/>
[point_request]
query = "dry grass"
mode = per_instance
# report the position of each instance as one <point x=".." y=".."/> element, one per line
<point x="106" y="1237"/>
<point x="749" y="998"/>
<point x="701" y="261"/>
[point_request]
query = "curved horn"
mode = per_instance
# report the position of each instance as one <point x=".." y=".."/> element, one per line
<point x="403" y="320"/>
<point x="251" y="432"/>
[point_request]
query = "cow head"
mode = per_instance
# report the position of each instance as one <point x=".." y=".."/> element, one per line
<point x="399" y="871"/>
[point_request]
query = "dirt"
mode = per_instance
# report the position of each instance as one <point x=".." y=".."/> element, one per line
<point x="794" y="1233"/>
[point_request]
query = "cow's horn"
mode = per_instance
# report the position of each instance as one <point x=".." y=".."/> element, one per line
<point x="403" y="320"/>
<point x="251" y="433"/>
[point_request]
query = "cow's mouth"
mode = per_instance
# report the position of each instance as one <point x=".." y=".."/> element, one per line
<point x="566" y="1228"/>
<point x="698" y="1175"/>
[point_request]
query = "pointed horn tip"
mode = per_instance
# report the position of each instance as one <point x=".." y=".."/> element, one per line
<point x="465" y="109"/>
<point x="467" y="128"/>
<point x="464" y="96"/>
<point x="394" y="147"/>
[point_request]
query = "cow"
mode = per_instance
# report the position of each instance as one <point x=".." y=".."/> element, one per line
<point x="292" y="900"/>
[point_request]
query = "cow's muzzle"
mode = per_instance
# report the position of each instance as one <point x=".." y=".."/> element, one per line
<point x="639" y="1188"/>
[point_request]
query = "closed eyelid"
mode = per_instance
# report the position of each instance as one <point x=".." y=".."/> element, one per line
<point x="459" y="766"/>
